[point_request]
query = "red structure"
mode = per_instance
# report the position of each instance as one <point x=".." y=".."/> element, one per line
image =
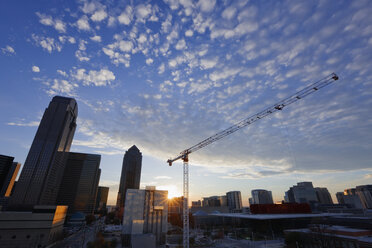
<point x="286" y="208"/>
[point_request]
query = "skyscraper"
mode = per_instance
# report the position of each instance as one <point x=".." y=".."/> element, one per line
<point x="323" y="195"/>
<point x="261" y="196"/>
<point x="8" y="174"/>
<point x="130" y="175"/>
<point x="303" y="192"/>
<point x="365" y="194"/>
<point x="234" y="200"/>
<point x="101" y="201"/>
<point x="80" y="182"/>
<point x="42" y="173"/>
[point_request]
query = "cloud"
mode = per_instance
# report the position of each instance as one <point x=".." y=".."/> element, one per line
<point x="8" y="50"/>
<point x="47" y="43"/>
<point x="208" y="63"/>
<point x="63" y="87"/>
<point x="96" y="38"/>
<point x="60" y="26"/>
<point x="47" y="20"/>
<point x="143" y="11"/>
<point x="206" y="5"/>
<point x="24" y="124"/>
<point x="229" y="13"/>
<point x="162" y="177"/>
<point x="161" y="68"/>
<point x="99" y="15"/>
<point x="102" y="77"/>
<point x="149" y="61"/>
<point x="126" y="16"/>
<point x="83" y="23"/>
<point x="181" y="44"/>
<point x="35" y="68"/>
<point x="189" y="33"/>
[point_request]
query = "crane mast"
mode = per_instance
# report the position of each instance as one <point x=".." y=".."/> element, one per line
<point x="184" y="155"/>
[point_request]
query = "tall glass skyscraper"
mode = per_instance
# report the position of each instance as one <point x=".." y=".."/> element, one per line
<point x="130" y="175"/>
<point x="42" y="173"/>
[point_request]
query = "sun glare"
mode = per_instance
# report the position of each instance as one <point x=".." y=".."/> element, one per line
<point x="172" y="191"/>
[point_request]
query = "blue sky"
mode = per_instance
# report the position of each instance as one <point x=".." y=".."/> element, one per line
<point x="166" y="74"/>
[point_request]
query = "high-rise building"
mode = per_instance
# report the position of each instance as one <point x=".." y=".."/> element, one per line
<point x="365" y="194"/>
<point x="323" y="195"/>
<point x="146" y="211"/>
<point x="340" y="197"/>
<point x="130" y="175"/>
<point x="41" y="175"/>
<point x="303" y="192"/>
<point x="80" y="182"/>
<point x="262" y="196"/>
<point x="101" y="201"/>
<point x="351" y="198"/>
<point x="234" y="200"/>
<point x="8" y="174"/>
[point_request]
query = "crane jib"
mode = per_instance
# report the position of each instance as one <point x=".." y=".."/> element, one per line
<point x="268" y="111"/>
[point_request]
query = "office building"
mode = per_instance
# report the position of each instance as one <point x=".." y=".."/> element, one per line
<point x="41" y="175"/>
<point x="234" y="201"/>
<point x="365" y="195"/>
<point x="8" y="173"/>
<point x="80" y="182"/>
<point x="323" y="195"/>
<point x="352" y="199"/>
<point x="130" y="175"/>
<point x="303" y="192"/>
<point x="40" y="227"/>
<point x="145" y="212"/>
<point x="261" y="196"/>
<point x="101" y="201"/>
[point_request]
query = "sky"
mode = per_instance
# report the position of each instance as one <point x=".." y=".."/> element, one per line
<point x="164" y="75"/>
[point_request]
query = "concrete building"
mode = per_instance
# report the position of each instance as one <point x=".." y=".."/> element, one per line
<point x="8" y="173"/>
<point x="352" y="199"/>
<point x="303" y="192"/>
<point x="365" y="195"/>
<point x="146" y="211"/>
<point x="261" y="196"/>
<point x="323" y="195"/>
<point x="130" y="175"/>
<point x="340" y="197"/>
<point x="42" y="173"/>
<point x="80" y="182"/>
<point x="197" y="203"/>
<point x="38" y="228"/>
<point x="234" y="200"/>
<point x="101" y="200"/>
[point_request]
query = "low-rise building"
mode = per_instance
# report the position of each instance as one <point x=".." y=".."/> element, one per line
<point x="39" y="228"/>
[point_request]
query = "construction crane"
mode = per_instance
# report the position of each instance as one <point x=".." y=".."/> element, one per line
<point x="184" y="155"/>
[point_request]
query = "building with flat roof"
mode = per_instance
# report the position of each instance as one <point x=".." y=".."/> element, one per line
<point x="234" y="200"/>
<point x="365" y="195"/>
<point x="79" y="185"/>
<point x="40" y="227"/>
<point x="101" y="201"/>
<point x="146" y="211"/>
<point x="261" y="196"/>
<point x="42" y="172"/>
<point x="303" y="192"/>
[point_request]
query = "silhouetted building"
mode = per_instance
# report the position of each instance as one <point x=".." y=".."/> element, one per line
<point x="351" y="198"/>
<point x="145" y="212"/>
<point x="130" y="175"/>
<point x="262" y="196"/>
<point x="365" y="194"/>
<point x="42" y="173"/>
<point x="234" y="200"/>
<point x="340" y="197"/>
<point x="80" y="182"/>
<point x="196" y="203"/>
<point x="8" y="174"/>
<point x="101" y="201"/>
<point x="303" y="192"/>
<point x="323" y="195"/>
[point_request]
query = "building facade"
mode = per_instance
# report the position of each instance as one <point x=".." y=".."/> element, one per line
<point x="352" y="199"/>
<point x="8" y="173"/>
<point x="101" y="201"/>
<point x="42" y="173"/>
<point x="130" y="175"/>
<point x="146" y="211"/>
<point x="303" y="192"/>
<point x="323" y="195"/>
<point x="262" y="196"/>
<point x="365" y="194"/>
<point x="234" y="200"/>
<point x="80" y="182"/>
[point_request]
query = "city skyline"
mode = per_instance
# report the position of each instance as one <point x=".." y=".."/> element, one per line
<point x="165" y="75"/>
